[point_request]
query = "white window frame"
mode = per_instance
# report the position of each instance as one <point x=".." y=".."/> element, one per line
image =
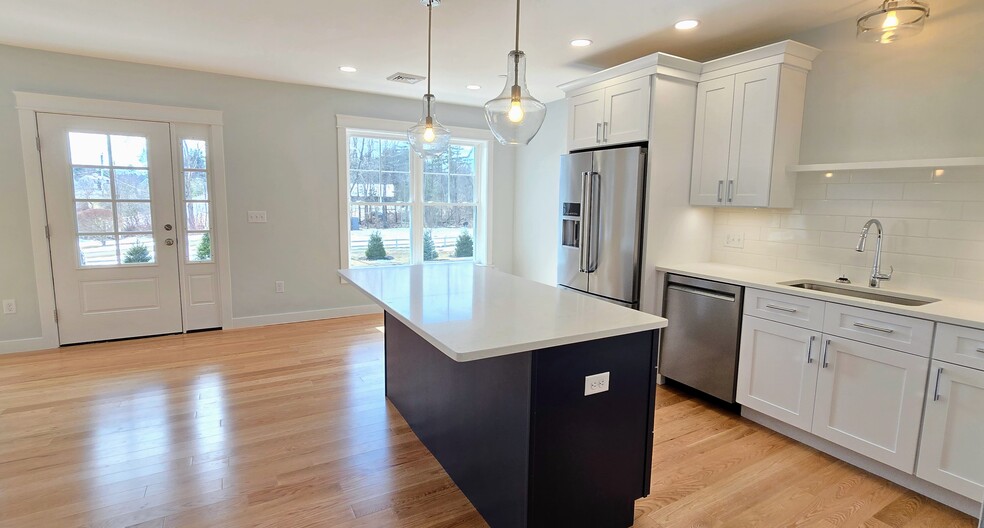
<point x="482" y="140"/>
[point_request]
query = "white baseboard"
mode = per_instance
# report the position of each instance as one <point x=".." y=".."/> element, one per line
<point x="27" y="345"/>
<point x="906" y="480"/>
<point x="310" y="315"/>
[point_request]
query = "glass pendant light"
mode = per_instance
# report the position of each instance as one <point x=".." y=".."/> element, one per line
<point x="515" y="116"/>
<point x="429" y="138"/>
<point x="893" y="20"/>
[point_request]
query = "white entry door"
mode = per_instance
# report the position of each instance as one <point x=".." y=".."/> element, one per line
<point x="111" y="217"/>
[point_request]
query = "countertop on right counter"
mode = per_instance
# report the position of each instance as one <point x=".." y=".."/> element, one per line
<point x="963" y="312"/>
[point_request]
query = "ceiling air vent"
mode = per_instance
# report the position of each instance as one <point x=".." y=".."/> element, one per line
<point x="405" y="78"/>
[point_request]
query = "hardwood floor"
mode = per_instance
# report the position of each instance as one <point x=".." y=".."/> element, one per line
<point x="288" y="426"/>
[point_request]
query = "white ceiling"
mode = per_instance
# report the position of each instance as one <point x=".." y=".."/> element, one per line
<point x="304" y="41"/>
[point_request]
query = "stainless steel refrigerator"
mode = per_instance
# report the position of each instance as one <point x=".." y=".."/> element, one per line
<point x="601" y="208"/>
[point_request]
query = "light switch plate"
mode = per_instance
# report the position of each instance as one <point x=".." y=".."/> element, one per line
<point x="9" y="306"/>
<point x="735" y="240"/>
<point x="596" y="383"/>
<point x="256" y="217"/>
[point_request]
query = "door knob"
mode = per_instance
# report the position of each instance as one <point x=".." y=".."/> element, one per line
<point x="167" y="227"/>
<point x="169" y="242"/>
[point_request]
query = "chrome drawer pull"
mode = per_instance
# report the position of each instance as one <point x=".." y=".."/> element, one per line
<point x="782" y="308"/>
<point x="875" y="328"/>
<point x="936" y="391"/>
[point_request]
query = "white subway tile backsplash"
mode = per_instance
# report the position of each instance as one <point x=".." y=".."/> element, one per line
<point x="865" y="191"/>
<point x="956" y="192"/>
<point x="934" y="229"/>
<point x="837" y="207"/>
<point x="916" y="209"/>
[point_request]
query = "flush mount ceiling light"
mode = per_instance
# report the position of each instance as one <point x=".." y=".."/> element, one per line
<point x="429" y="138"/>
<point x="580" y="43"/>
<point x="347" y="69"/>
<point x="515" y="116"/>
<point x="893" y="20"/>
<point x="687" y="24"/>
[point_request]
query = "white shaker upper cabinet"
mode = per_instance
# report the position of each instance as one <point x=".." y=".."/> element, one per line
<point x="712" y="141"/>
<point x="585" y="114"/>
<point x="611" y="115"/>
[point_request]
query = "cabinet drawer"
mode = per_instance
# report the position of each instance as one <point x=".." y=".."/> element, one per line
<point x="789" y="309"/>
<point x="959" y="345"/>
<point x="897" y="332"/>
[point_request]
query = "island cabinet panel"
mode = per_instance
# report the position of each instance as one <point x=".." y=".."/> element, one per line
<point x="518" y="435"/>
<point x="474" y="417"/>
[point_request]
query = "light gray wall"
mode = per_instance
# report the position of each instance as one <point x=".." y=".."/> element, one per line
<point x="281" y="156"/>
<point x="915" y="98"/>
<point x="537" y="197"/>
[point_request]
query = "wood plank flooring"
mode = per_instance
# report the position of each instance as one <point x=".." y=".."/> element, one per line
<point x="288" y="426"/>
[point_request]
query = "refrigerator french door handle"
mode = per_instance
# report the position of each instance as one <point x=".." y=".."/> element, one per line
<point x="594" y="227"/>
<point x="584" y="262"/>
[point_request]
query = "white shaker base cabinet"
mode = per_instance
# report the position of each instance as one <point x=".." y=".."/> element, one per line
<point x="777" y="370"/>
<point x="952" y="450"/>
<point x="869" y="399"/>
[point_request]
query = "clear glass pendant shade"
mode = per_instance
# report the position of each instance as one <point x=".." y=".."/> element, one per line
<point x="515" y="116"/>
<point x="893" y="20"/>
<point x="429" y="138"/>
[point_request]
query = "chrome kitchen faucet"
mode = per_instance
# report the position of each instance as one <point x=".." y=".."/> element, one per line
<point x="876" y="275"/>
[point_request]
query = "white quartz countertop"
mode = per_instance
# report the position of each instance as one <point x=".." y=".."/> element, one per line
<point x="963" y="312"/>
<point x="474" y="312"/>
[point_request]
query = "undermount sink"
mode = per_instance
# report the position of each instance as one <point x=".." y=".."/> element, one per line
<point x="861" y="292"/>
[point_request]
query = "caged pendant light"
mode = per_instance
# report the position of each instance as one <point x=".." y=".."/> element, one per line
<point x="429" y="138"/>
<point x="892" y="20"/>
<point x="515" y="116"/>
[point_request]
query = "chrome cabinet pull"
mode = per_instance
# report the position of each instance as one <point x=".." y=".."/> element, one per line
<point x="598" y="133"/>
<point x="875" y="328"/>
<point x="936" y="391"/>
<point x="809" y="349"/>
<point x="781" y="308"/>
<point x="731" y="190"/>
<point x="720" y="190"/>
<point x="823" y="361"/>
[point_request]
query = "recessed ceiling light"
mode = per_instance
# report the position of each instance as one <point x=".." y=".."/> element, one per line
<point x="686" y="24"/>
<point x="347" y="69"/>
<point x="473" y="87"/>
<point x="580" y="43"/>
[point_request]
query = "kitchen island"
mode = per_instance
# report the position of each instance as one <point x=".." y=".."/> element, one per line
<point x="491" y="371"/>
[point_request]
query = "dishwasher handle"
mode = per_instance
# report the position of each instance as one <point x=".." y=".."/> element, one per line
<point x="724" y="296"/>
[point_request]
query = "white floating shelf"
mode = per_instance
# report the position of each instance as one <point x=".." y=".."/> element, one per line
<point x="936" y="163"/>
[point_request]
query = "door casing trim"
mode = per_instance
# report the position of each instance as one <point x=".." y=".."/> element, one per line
<point x="28" y="106"/>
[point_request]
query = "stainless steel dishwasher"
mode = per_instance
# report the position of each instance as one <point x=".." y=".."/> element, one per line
<point x="700" y="345"/>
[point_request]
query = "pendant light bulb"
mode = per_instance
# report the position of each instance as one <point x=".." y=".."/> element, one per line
<point x="515" y="116"/>
<point x="429" y="138"/>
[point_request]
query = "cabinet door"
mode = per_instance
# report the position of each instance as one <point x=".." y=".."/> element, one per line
<point x="953" y="430"/>
<point x="870" y="399"/>
<point x="777" y="370"/>
<point x="585" y="115"/>
<point x="627" y="112"/>
<point x="753" y="132"/>
<point x="712" y="141"/>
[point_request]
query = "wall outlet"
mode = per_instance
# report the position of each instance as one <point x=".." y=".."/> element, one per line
<point x="279" y="286"/>
<point x="9" y="306"/>
<point x="734" y="240"/>
<point x="596" y="383"/>
<point x="256" y="217"/>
